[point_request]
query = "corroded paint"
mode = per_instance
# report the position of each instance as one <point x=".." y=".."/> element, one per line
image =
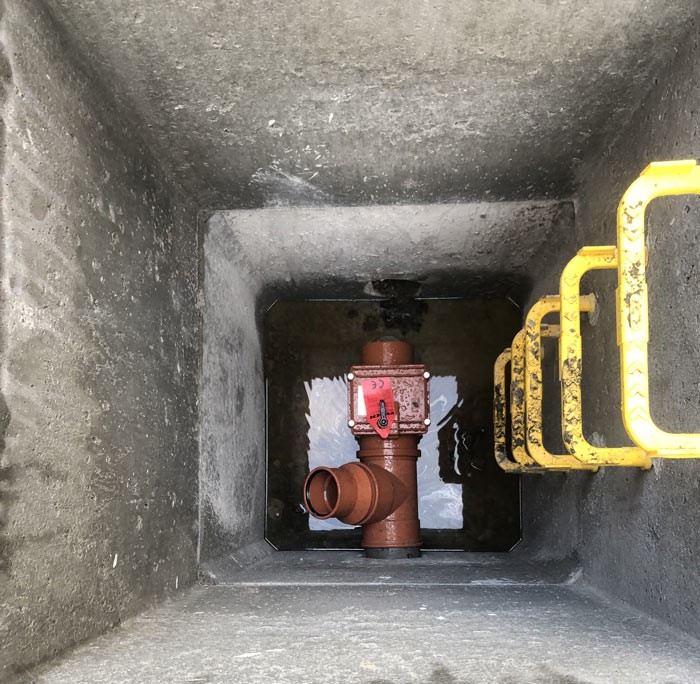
<point x="500" y="421"/>
<point x="659" y="179"/>
<point x="533" y="388"/>
<point x="571" y="363"/>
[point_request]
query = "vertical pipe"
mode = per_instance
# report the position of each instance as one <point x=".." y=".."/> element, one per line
<point x="397" y="535"/>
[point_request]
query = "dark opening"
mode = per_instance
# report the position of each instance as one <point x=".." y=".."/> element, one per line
<point x="465" y="501"/>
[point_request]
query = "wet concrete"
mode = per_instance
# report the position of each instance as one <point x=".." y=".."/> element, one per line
<point x="465" y="500"/>
<point x="323" y="627"/>
<point x="269" y="103"/>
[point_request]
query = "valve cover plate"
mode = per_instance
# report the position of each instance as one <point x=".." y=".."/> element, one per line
<point x="411" y="398"/>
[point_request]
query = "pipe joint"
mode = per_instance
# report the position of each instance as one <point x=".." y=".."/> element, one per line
<point x="355" y="493"/>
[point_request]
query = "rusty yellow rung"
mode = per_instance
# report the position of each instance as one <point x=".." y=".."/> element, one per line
<point x="500" y="421"/>
<point x="533" y="386"/>
<point x="518" y="409"/>
<point x="571" y="363"/>
<point x="657" y="180"/>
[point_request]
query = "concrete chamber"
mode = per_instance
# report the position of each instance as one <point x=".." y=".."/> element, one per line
<point x="177" y="173"/>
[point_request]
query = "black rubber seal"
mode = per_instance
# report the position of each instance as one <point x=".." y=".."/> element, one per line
<point x="393" y="553"/>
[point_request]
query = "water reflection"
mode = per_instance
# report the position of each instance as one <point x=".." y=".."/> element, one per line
<point x="330" y="441"/>
<point x="443" y="448"/>
<point x="440" y="494"/>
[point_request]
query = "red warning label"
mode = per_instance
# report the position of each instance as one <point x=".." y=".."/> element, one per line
<point x="379" y="404"/>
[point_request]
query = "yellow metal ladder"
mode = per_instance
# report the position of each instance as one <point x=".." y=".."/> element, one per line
<point x="657" y="180"/>
<point x="528" y="454"/>
<point x="571" y="364"/>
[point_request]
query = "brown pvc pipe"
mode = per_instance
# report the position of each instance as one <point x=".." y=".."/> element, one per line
<point x="380" y="491"/>
<point x="387" y="353"/>
<point x="355" y="493"/>
<point x="401" y="527"/>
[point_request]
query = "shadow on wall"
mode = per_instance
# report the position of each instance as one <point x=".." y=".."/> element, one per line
<point x="7" y="495"/>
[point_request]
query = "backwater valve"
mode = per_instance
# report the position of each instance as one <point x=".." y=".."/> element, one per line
<point x="388" y="405"/>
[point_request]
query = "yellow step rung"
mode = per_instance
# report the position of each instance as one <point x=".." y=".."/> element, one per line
<point x="532" y="341"/>
<point x="657" y="180"/>
<point x="500" y="422"/>
<point x="571" y="363"/>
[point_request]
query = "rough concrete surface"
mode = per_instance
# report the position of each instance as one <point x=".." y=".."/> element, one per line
<point x="99" y="358"/>
<point x="390" y="631"/>
<point x="636" y="533"/>
<point x="231" y="402"/>
<point x="468" y="249"/>
<point x="432" y="569"/>
<point x="353" y="102"/>
<point x="121" y="120"/>
<point x="251" y="257"/>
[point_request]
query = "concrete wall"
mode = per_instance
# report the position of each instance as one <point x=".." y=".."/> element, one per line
<point x="232" y="401"/>
<point x="636" y="533"/>
<point x="375" y="103"/>
<point x="252" y="257"/>
<point x="99" y="357"/>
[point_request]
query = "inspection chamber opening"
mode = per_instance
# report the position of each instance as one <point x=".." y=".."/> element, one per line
<point x="465" y="501"/>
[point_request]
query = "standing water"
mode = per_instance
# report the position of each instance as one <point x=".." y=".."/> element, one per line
<point x="465" y="501"/>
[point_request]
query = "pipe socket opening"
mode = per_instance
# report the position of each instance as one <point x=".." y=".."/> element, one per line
<point x="321" y="493"/>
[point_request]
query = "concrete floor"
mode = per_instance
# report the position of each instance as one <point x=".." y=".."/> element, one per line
<point x="335" y="617"/>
